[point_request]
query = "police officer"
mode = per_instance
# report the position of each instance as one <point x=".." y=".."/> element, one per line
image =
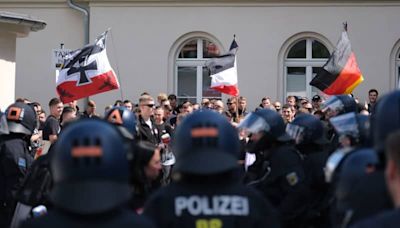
<point x="353" y="132"/>
<point x="358" y="190"/>
<point x="336" y="105"/>
<point x="15" y="157"/>
<point x="385" y="124"/>
<point x="206" y="191"/>
<point x="91" y="179"/>
<point x="279" y="169"/>
<point x="308" y="133"/>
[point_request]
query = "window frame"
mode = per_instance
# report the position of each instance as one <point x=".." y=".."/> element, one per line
<point x="307" y="62"/>
<point x="198" y="62"/>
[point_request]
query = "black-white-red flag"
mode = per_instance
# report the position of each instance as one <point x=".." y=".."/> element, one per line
<point x="86" y="72"/>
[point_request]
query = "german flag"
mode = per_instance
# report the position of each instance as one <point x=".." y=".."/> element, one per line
<point x="340" y="75"/>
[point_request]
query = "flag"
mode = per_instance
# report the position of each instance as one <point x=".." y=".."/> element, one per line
<point x="340" y="74"/>
<point x="223" y="71"/>
<point x="86" y="72"/>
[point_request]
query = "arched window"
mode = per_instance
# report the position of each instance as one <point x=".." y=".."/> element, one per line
<point x="303" y="60"/>
<point x="192" y="81"/>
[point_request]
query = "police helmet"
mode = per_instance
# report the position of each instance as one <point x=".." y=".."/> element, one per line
<point x="124" y="119"/>
<point x="205" y="143"/>
<point x="267" y="121"/>
<point x="21" y="118"/>
<point x="359" y="181"/>
<point x="386" y="119"/>
<point x="339" y="104"/>
<point x="334" y="162"/>
<point x="306" y="129"/>
<point x="90" y="168"/>
<point x="356" y="126"/>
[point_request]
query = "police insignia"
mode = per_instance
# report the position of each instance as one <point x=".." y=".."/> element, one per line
<point x="22" y="162"/>
<point x="292" y="178"/>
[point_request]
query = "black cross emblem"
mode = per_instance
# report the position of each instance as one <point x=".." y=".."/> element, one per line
<point x="83" y="79"/>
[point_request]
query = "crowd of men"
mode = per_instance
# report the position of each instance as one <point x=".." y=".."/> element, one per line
<point x="305" y="163"/>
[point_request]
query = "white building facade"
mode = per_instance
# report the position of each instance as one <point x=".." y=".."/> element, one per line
<point x="161" y="46"/>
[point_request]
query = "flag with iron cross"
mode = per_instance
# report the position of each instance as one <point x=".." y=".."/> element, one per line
<point x="86" y="72"/>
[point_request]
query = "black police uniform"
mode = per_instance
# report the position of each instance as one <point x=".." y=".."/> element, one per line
<point x="387" y="219"/>
<point x="15" y="160"/>
<point x="61" y="219"/>
<point x="208" y="202"/>
<point x="308" y="134"/>
<point x="279" y="170"/>
<point x="314" y="163"/>
<point x="207" y="192"/>
<point x="360" y="190"/>
<point x="286" y="186"/>
<point x="35" y="189"/>
<point x="90" y="173"/>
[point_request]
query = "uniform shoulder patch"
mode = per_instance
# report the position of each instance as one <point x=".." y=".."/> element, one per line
<point x="22" y="162"/>
<point x="292" y="178"/>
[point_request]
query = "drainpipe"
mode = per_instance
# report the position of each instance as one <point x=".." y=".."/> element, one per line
<point x="86" y="24"/>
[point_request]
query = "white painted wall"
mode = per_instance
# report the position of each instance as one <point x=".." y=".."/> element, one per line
<point x="7" y="66"/>
<point x="143" y="34"/>
<point x="35" y="75"/>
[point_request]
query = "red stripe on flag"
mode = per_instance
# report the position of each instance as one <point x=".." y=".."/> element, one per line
<point x="232" y="90"/>
<point x="348" y="76"/>
<point x="68" y="91"/>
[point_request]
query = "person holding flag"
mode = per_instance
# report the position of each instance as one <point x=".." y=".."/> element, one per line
<point x="340" y="74"/>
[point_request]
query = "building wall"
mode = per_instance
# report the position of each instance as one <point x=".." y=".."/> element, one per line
<point x="35" y="75"/>
<point x="7" y="66"/>
<point x="142" y="37"/>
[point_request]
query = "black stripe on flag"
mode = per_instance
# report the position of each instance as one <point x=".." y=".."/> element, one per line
<point x="85" y="52"/>
<point x="340" y="56"/>
<point x="220" y="63"/>
<point x="335" y="64"/>
<point x="323" y="80"/>
<point x="233" y="45"/>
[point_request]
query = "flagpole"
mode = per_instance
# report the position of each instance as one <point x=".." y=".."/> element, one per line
<point x="237" y="109"/>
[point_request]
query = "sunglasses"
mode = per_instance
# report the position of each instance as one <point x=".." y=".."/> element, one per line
<point x="229" y="103"/>
<point x="149" y="105"/>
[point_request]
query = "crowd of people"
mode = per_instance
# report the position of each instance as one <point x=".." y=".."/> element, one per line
<point x="300" y="163"/>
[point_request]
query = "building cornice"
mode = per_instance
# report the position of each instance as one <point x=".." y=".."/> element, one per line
<point x="204" y="3"/>
<point x="22" y="20"/>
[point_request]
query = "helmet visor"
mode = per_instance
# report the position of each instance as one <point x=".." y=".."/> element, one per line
<point x="332" y="163"/>
<point x="252" y="124"/>
<point x="3" y="125"/>
<point x="296" y="132"/>
<point x="345" y="124"/>
<point x="332" y="106"/>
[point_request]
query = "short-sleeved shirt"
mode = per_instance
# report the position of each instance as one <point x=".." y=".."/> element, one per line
<point x="51" y="127"/>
